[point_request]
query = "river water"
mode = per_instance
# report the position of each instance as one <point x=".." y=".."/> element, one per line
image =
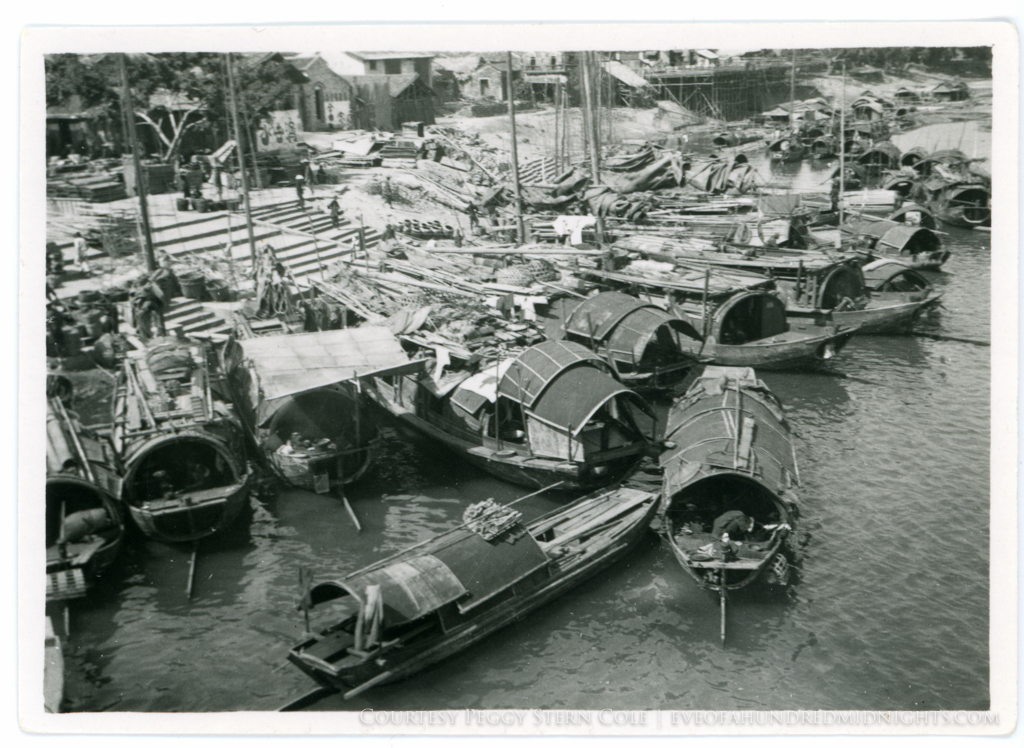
<point x="889" y="609"/>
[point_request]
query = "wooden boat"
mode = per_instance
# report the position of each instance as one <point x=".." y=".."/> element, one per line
<point x="181" y="445"/>
<point x="742" y="324"/>
<point x="917" y="246"/>
<point x="951" y="189"/>
<point x="299" y="398"/>
<point x="84" y="525"/>
<point x="418" y="607"/>
<point x="553" y="413"/>
<point x="787" y="149"/>
<point x="891" y="277"/>
<point x="642" y="342"/>
<point x="729" y="450"/>
<point x="880" y="156"/>
<point x="841" y="290"/>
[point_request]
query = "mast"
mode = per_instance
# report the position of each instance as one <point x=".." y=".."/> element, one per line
<point x="140" y="185"/>
<point x="792" y="94"/>
<point x="595" y="158"/>
<point x="241" y="158"/>
<point x="842" y="156"/>
<point x="520" y="226"/>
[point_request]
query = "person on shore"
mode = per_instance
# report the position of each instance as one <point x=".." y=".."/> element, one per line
<point x="81" y="247"/>
<point x="216" y="179"/>
<point x="300" y="186"/>
<point x="335" y="209"/>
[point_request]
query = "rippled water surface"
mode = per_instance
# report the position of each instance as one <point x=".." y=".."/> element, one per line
<point x="890" y="609"/>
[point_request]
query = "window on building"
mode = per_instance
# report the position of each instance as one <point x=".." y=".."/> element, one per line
<point x="392" y="67"/>
<point x="373" y="66"/>
<point x="318" y="103"/>
<point x="485" y="86"/>
<point x="554" y="62"/>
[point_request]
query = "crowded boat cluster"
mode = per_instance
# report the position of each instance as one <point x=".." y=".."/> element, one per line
<point x="594" y="329"/>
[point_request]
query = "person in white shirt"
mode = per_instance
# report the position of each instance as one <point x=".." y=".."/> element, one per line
<point x="81" y="247"/>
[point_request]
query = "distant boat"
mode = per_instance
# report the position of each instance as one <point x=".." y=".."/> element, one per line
<point x="553" y="413"/>
<point x="743" y="326"/>
<point x="951" y="189"/>
<point x="842" y="290"/>
<point x="730" y="478"/>
<point x="84" y="525"/>
<point x="432" y="601"/>
<point x="917" y="246"/>
<point x="787" y="149"/>
<point x="182" y="447"/>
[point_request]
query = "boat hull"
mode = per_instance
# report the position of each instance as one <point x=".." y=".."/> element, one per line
<point x="786" y="351"/>
<point x="193" y="518"/>
<point x="410" y="660"/>
<point x="514" y="466"/>
<point x="886" y="320"/>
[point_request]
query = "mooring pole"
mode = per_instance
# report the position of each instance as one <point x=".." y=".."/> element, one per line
<point x="140" y="185"/>
<point x="520" y="226"/>
<point x="241" y="157"/>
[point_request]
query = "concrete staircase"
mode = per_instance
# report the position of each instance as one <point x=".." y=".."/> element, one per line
<point x="194" y="319"/>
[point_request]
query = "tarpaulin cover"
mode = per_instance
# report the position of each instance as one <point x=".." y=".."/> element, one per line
<point x="536" y="367"/>
<point x="634" y="333"/>
<point x="410" y="588"/>
<point x="701" y="426"/>
<point x="289" y="364"/>
<point x="598" y="315"/>
<point x="573" y="398"/>
<point x="486" y="568"/>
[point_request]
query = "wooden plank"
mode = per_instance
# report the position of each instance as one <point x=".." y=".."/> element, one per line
<point x="616" y="511"/>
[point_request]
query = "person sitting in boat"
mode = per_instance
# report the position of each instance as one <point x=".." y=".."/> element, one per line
<point x="735" y="524"/>
<point x="162" y="486"/>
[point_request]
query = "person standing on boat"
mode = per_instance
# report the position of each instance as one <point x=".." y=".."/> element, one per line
<point x="300" y="185"/>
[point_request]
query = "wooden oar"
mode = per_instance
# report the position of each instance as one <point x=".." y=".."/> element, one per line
<point x="721" y="598"/>
<point x="192" y="569"/>
<point x="952" y="339"/>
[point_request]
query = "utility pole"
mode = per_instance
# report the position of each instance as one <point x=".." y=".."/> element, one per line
<point x="520" y="226"/>
<point x="241" y="158"/>
<point x="140" y="185"/>
<point x="595" y="158"/>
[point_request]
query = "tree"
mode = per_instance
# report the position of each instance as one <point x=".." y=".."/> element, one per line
<point x="173" y="93"/>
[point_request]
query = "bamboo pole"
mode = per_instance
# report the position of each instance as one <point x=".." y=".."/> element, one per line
<point x="140" y="184"/>
<point x="520" y="226"/>
<point x="241" y="158"/>
<point x="595" y="158"/>
<point x="842" y="157"/>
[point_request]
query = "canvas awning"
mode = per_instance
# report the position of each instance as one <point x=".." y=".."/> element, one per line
<point x="410" y="589"/>
<point x="572" y="399"/>
<point x="535" y="368"/>
<point x="465" y="568"/>
<point x="630" y="338"/>
<point x="290" y="364"/>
